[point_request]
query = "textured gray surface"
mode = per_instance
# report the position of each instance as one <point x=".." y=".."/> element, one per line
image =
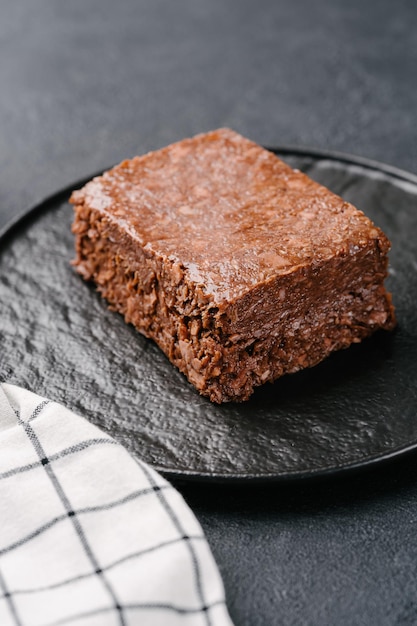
<point x="87" y="82"/>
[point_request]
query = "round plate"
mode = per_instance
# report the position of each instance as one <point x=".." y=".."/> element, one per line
<point x="58" y="338"/>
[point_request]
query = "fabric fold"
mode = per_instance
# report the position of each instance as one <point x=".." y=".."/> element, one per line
<point x="90" y="535"/>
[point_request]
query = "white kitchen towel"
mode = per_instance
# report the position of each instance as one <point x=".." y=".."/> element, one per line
<point x="89" y="535"/>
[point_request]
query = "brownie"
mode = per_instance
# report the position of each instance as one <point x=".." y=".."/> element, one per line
<point x="239" y="267"/>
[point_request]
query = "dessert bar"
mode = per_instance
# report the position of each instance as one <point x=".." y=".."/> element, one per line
<point x="239" y="267"/>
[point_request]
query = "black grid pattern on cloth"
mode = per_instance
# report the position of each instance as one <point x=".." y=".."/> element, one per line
<point x="116" y="607"/>
<point x="70" y="513"/>
<point x="10" y="602"/>
<point x="192" y="552"/>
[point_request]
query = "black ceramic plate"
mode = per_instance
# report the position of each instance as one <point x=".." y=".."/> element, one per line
<point x="58" y="338"/>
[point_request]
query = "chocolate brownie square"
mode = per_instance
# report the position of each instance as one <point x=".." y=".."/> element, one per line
<point x="239" y="267"/>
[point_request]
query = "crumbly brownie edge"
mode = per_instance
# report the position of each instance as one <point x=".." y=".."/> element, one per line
<point x="222" y="353"/>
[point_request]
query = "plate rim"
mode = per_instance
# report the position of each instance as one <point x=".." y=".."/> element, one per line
<point x="192" y="476"/>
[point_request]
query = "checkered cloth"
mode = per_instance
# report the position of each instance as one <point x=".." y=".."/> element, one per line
<point x="89" y="535"/>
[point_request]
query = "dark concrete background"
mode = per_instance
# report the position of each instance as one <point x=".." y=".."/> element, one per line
<point x="86" y="83"/>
